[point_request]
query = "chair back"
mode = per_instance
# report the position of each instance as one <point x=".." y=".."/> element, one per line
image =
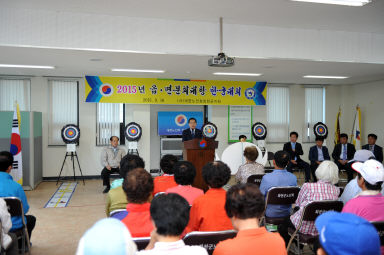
<point x="255" y="178"/>
<point x="315" y="208"/>
<point x="208" y="240"/>
<point x="141" y="242"/>
<point x="15" y="207"/>
<point x="379" y="225"/>
<point x="282" y="195"/>
<point x="341" y="191"/>
<point x="1" y="237"/>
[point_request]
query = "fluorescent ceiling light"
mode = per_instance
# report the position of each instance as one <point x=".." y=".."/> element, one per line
<point x="137" y="70"/>
<point x="27" y="66"/>
<point x="325" y="77"/>
<point x="240" y="74"/>
<point x="338" y="2"/>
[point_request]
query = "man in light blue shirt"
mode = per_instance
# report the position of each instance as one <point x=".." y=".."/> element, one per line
<point x="280" y="177"/>
<point x="10" y="188"/>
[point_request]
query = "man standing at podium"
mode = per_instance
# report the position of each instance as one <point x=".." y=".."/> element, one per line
<point x="192" y="132"/>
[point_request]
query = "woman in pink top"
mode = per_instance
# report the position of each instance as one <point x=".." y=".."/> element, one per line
<point x="184" y="173"/>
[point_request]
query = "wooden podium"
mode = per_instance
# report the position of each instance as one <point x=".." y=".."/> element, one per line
<point x="199" y="155"/>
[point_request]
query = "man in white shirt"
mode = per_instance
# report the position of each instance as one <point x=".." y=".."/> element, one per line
<point x="110" y="159"/>
<point x="170" y="216"/>
<point x="6" y="224"/>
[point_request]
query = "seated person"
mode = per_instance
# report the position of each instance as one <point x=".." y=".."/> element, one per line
<point x="107" y="237"/>
<point x="251" y="167"/>
<point x="242" y="138"/>
<point x="345" y="233"/>
<point x="342" y="153"/>
<point x="7" y="244"/>
<point x="166" y="181"/>
<point x="352" y="188"/>
<point x="327" y="175"/>
<point x="207" y="211"/>
<point x="369" y="204"/>
<point x="372" y="146"/>
<point x="280" y="177"/>
<point x="138" y="186"/>
<point x="295" y="151"/>
<point x="110" y="160"/>
<point x="318" y="154"/>
<point x="116" y="198"/>
<point x="245" y="206"/>
<point x="131" y="161"/>
<point x="10" y="188"/>
<point x="185" y="173"/>
<point x="170" y="215"/>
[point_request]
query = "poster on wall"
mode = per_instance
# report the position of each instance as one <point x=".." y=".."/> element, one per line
<point x="102" y="89"/>
<point x="239" y="123"/>
<point x="173" y="123"/>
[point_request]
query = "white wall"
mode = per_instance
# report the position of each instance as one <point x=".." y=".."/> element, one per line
<point x="368" y="96"/>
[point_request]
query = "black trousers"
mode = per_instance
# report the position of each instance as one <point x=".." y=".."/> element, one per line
<point x="314" y="166"/>
<point x="31" y="222"/>
<point x="303" y="165"/>
<point x="348" y="168"/>
<point x="105" y="173"/>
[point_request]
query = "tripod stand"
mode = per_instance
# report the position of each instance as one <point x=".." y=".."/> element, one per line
<point x="73" y="155"/>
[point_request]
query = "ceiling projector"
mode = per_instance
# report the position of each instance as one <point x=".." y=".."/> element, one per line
<point x="221" y="60"/>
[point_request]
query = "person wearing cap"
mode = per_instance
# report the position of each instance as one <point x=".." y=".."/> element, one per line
<point x="107" y="237"/>
<point x="342" y="153"/>
<point x="352" y="188"/>
<point x="369" y="204"/>
<point x="324" y="189"/>
<point x="372" y="146"/>
<point x="346" y="234"/>
<point x="317" y="154"/>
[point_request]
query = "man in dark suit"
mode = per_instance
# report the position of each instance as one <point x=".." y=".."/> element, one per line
<point x="317" y="154"/>
<point x="192" y="132"/>
<point x="342" y="153"/>
<point x="295" y="150"/>
<point x="372" y="146"/>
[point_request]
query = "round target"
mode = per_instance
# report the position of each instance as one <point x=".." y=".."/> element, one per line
<point x="70" y="133"/>
<point x="209" y="130"/>
<point x="133" y="131"/>
<point x="259" y="131"/>
<point x="320" y="130"/>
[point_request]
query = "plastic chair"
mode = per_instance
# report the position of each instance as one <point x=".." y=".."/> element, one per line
<point x="280" y="196"/>
<point x="310" y="213"/>
<point x="255" y="178"/>
<point x="208" y="240"/>
<point x="379" y="225"/>
<point x="141" y="242"/>
<point x="15" y="208"/>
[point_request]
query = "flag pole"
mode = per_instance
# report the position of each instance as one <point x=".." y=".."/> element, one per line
<point x="353" y="125"/>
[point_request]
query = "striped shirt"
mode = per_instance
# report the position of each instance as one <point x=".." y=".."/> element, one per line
<point x="310" y="192"/>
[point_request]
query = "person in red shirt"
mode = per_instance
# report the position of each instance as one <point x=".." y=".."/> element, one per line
<point x="207" y="211"/>
<point x="138" y="186"/>
<point x="245" y="206"/>
<point x="185" y="173"/>
<point x="166" y="181"/>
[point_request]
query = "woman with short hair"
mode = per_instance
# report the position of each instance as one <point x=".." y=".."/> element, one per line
<point x="251" y="167"/>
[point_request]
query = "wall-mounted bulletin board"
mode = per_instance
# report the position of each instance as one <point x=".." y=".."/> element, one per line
<point x="239" y="123"/>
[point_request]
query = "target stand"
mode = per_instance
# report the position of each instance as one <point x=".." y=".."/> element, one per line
<point x="132" y="148"/>
<point x="71" y="135"/>
<point x="133" y="132"/>
<point x="71" y="152"/>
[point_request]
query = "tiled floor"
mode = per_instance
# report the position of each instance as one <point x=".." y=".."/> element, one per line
<point x="58" y="230"/>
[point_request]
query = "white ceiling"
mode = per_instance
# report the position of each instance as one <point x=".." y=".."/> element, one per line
<point x="76" y="63"/>
<point x="279" y="13"/>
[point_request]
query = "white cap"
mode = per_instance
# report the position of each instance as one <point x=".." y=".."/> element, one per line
<point x="371" y="170"/>
<point x="362" y="156"/>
